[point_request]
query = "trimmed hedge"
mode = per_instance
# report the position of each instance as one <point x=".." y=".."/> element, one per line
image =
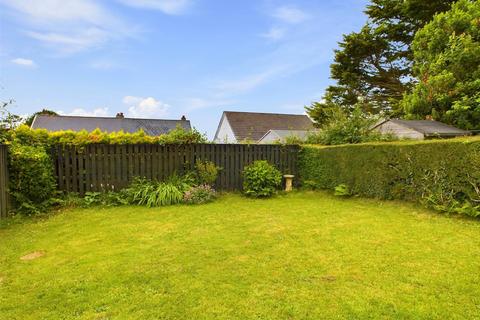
<point x="443" y="174"/>
<point x="26" y="136"/>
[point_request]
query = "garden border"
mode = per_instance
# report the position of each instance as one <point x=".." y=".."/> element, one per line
<point x="101" y="167"/>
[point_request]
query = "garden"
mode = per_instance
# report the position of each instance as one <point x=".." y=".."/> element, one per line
<point x="372" y="230"/>
<point x="98" y="225"/>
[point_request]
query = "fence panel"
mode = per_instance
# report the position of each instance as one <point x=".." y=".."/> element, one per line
<point x="108" y="167"/>
<point x="4" y="197"/>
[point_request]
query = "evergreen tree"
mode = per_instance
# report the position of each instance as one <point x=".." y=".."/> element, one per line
<point x="447" y="64"/>
<point x="374" y="66"/>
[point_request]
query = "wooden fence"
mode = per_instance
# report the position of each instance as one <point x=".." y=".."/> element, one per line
<point x="112" y="167"/>
<point x="4" y="198"/>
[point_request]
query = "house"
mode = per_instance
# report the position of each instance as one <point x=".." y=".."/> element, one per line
<point x="418" y="129"/>
<point x="235" y="127"/>
<point x="281" y="136"/>
<point x="152" y="127"/>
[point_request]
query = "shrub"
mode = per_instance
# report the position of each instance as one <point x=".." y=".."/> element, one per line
<point x="182" y="183"/>
<point x="200" y="194"/>
<point x="207" y="172"/>
<point x="108" y="198"/>
<point x="154" y="193"/>
<point x="442" y="174"/>
<point x="342" y="190"/>
<point x="261" y="179"/>
<point x="32" y="184"/>
<point x="348" y="128"/>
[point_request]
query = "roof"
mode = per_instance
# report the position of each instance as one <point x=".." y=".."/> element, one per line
<point x="429" y="128"/>
<point x="153" y="127"/>
<point x="253" y="125"/>
<point x="283" y="134"/>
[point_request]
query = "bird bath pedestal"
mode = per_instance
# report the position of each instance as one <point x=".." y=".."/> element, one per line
<point x="288" y="182"/>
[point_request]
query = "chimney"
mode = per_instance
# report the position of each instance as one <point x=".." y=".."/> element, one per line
<point x="183" y="118"/>
<point x="119" y="115"/>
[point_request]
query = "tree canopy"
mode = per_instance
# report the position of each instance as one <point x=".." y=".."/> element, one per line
<point x="447" y="64"/>
<point x="373" y="67"/>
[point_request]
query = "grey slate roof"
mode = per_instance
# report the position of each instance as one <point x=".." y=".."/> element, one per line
<point x="253" y="125"/>
<point x="153" y="127"/>
<point x="429" y="128"/>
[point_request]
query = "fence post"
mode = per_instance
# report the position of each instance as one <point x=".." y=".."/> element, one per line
<point x="4" y="196"/>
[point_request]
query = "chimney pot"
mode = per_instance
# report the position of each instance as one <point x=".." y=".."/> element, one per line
<point x="119" y="115"/>
<point x="183" y="118"/>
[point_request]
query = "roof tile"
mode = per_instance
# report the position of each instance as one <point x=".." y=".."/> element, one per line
<point x="153" y="127"/>
<point x="252" y="125"/>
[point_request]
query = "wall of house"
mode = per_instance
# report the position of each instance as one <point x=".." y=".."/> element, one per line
<point x="225" y="133"/>
<point x="269" y="138"/>
<point x="399" y="131"/>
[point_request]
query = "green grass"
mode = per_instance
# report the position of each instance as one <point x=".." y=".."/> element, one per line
<point x="301" y="256"/>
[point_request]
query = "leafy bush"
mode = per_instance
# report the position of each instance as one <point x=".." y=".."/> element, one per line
<point x="442" y="174"/>
<point x="348" y="128"/>
<point x="207" y="172"/>
<point x="154" y="193"/>
<point x="200" y="194"/>
<point x="342" y="190"/>
<point x="70" y="200"/>
<point x="32" y="184"/>
<point x="182" y="183"/>
<point x="261" y="179"/>
<point x="108" y="198"/>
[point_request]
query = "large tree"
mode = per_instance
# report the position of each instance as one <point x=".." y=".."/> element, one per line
<point x="373" y="67"/>
<point x="447" y="64"/>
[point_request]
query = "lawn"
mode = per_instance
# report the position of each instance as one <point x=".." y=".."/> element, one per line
<point x="302" y="256"/>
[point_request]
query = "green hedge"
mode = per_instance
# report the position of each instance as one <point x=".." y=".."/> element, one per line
<point x="27" y="136"/>
<point x="443" y="174"/>
<point x="32" y="184"/>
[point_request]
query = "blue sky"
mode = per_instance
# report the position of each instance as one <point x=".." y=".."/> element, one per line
<point x="167" y="58"/>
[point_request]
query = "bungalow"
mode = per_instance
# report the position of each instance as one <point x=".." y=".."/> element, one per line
<point x="235" y="127"/>
<point x="281" y="136"/>
<point x="153" y="127"/>
<point x="418" y="129"/>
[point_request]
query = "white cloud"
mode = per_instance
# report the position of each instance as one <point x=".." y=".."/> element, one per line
<point x="192" y="104"/>
<point x="68" y="26"/>
<point x="99" y="112"/>
<point x="285" y="15"/>
<point x="275" y="33"/>
<point x="139" y="107"/>
<point x="46" y="11"/>
<point x="249" y="82"/>
<point x="24" y="62"/>
<point x="77" y="41"/>
<point x="172" y="7"/>
<point x="290" y="14"/>
<point x="293" y="56"/>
